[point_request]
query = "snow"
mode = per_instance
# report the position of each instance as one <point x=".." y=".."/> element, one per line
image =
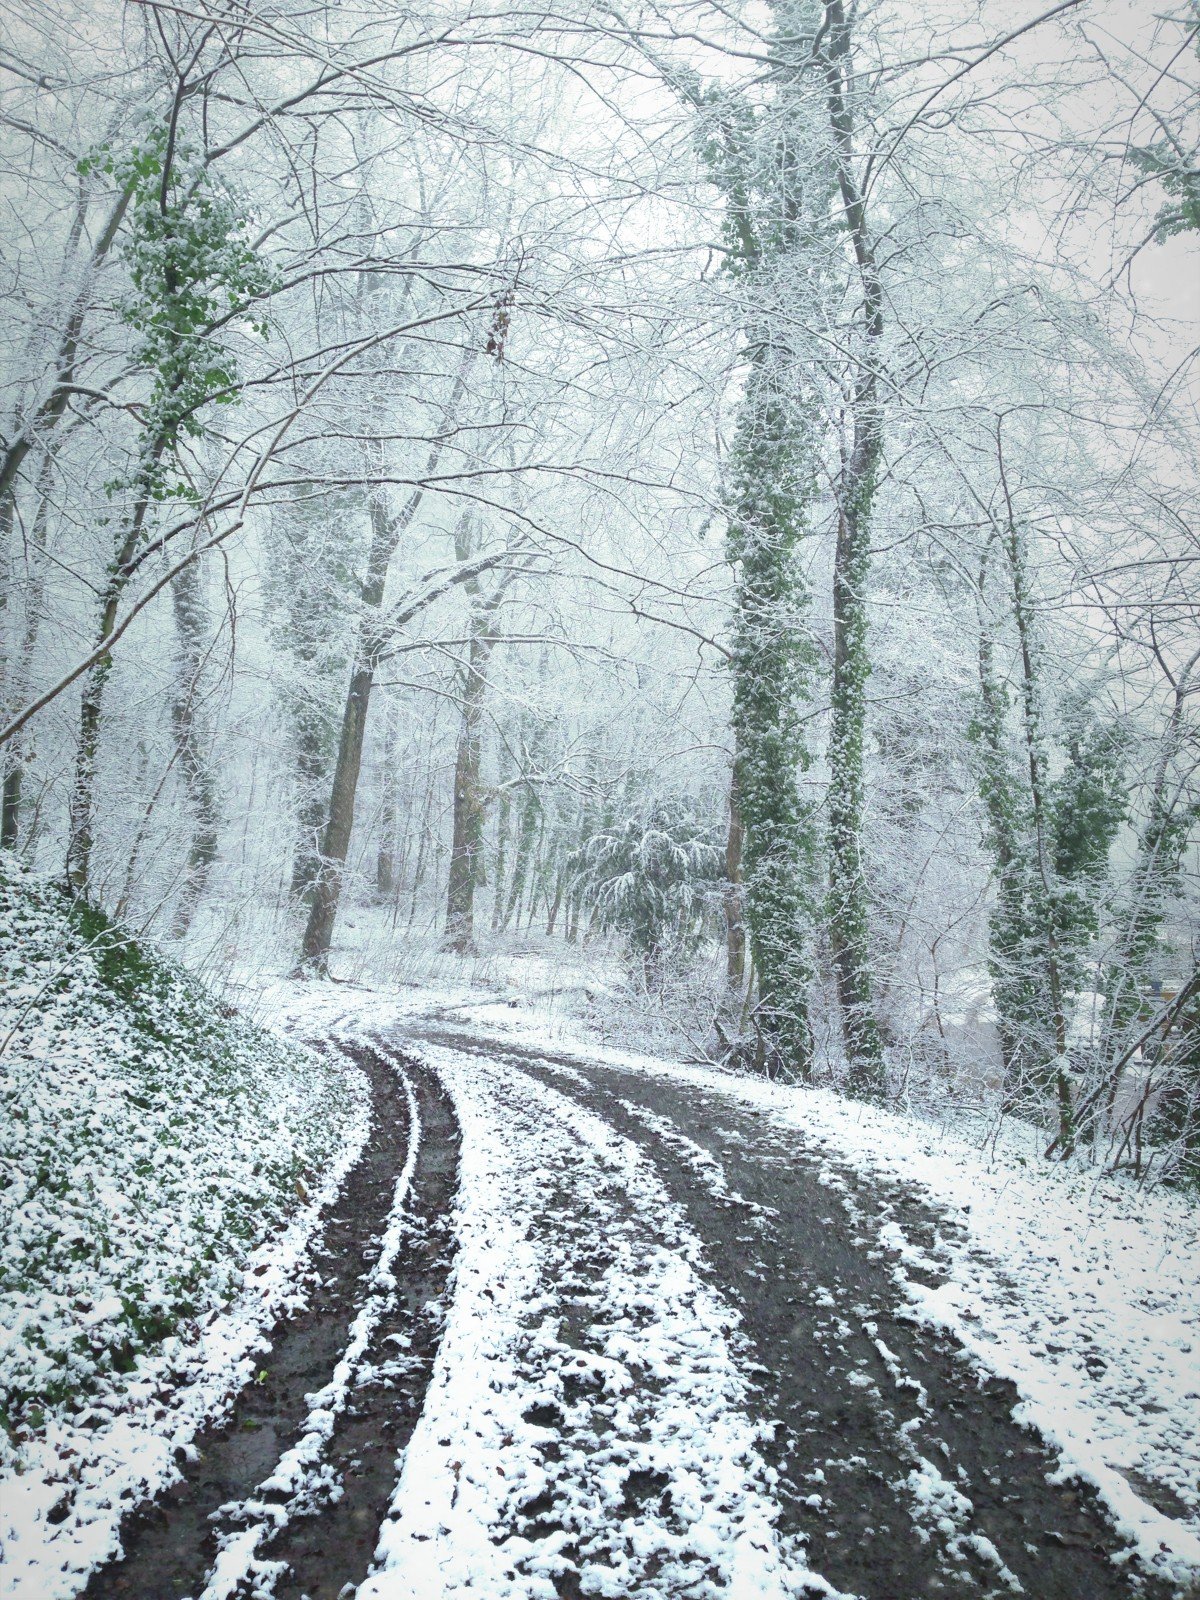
<point x="589" y="1405"/>
<point x="165" y="1169"/>
<point x="935" y="1504"/>
<point x="1082" y="1290"/>
<point x="300" y="1480"/>
<point x="647" y="1384"/>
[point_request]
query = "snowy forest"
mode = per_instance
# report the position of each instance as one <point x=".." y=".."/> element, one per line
<point x="682" y="515"/>
<point x="684" y="479"/>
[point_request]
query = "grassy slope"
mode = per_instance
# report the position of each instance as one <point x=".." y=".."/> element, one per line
<point x="149" y="1141"/>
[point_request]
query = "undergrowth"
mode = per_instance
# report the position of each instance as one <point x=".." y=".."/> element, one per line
<point x="150" y="1140"/>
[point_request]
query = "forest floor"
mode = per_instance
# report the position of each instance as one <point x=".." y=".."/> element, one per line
<point x="621" y="1327"/>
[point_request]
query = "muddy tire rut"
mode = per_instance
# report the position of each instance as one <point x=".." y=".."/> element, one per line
<point x="852" y="1392"/>
<point x="319" y="1548"/>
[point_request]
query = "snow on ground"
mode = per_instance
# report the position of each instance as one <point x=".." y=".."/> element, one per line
<point x="655" y="1485"/>
<point x="302" y="1478"/>
<point x="586" y="1409"/>
<point x="164" y="1165"/>
<point x="1083" y="1290"/>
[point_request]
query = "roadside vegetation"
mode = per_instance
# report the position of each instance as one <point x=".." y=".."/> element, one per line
<point x="150" y="1140"/>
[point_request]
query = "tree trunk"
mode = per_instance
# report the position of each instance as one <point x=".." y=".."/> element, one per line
<point x="190" y="623"/>
<point x="522" y="850"/>
<point x="771" y="666"/>
<point x="537" y="875"/>
<point x="1156" y="876"/>
<point x="1043" y="884"/>
<point x="502" y="815"/>
<point x="773" y="481"/>
<point x="735" y="927"/>
<point x="369" y="644"/>
<point x="20" y="677"/>
<point x="385" y="860"/>
<point x="1007" y="922"/>
<point x="470" y="812"/>
<point x="848" y="900"/>
<point x="326" y="891"/>
<point x="83" y="789"/>
<point x="560" y="879"/>
<point x="470" y="808"/>
<point x="312" y="804"/>
<point x="422" y="855"/>
<point x="849" y="914"/>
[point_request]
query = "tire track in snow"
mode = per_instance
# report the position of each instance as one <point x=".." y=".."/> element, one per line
<point x="287" y="1497"/>
<point x="898" y="1458"/>
<point x="585" y="1431"/>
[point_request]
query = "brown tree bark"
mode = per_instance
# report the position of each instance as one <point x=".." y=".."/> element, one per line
<point x="373" y="635"/>
<point x="470" y="802"/>
<point x="326" y="891"/>
<point x="385" y="859"/>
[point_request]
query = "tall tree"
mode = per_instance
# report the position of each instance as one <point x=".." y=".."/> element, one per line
<point x="470" y="802"/>
<point x="191" y="269"/>
<point x="849" y="908"/>
<point x="775" y="192"/>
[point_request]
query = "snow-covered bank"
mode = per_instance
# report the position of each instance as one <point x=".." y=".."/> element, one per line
<point x="164" y="1167"/>
<point x="1084" y="1291"/>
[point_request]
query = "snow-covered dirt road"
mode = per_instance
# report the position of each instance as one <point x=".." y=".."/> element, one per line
<point x="587" y="1328"/>
<point x="728" y="1394"/>
<point x="284" y="1496"/>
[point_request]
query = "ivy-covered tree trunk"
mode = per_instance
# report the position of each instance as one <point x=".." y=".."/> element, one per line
<point x="313" y="758"/>
<point x="771" y="662"/>
<point x="199" y="782"/>
<point x="1172" y="816"/>
<point x="733" y="896"/>
<point x="1051" y="839"/>
<point x="776" y="184"/>
<point x="1008" y="931"/>
<point x="849" y="910"/>
<point x="1043" y="887"/>
<point x="190" y="269"/>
